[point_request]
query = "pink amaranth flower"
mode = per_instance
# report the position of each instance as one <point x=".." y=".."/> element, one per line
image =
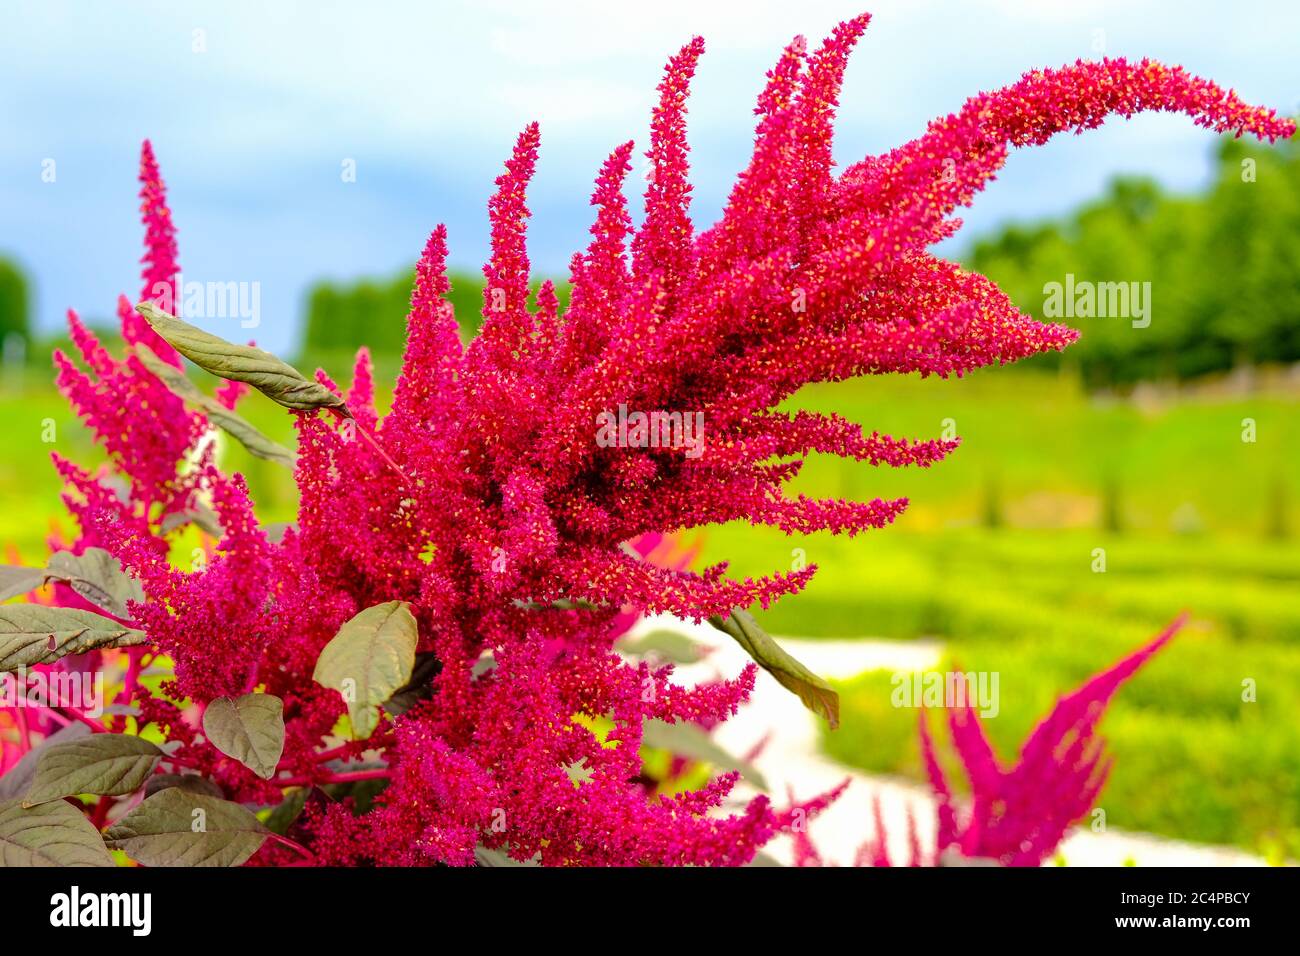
<point x="161" y="274"/>
<point x="1019" y="815"/>
<point x="1016" y="816"/>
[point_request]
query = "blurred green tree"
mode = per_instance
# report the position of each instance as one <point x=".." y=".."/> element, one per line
<point x="1224" y="291"/>
<point x="340" y="318"/>
<point x="14" y="301"/>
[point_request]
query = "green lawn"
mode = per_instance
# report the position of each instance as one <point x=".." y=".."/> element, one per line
<point x="30" y="488"/>
<point x="996" y="558"/>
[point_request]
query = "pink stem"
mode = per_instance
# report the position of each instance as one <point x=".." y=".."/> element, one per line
<point x="99" y="815"/>
<point x="182" y="762"/>
<point x="135" y="659"/>
<point x="292" y="845"/>
<point x="347" y="777"/>
<point x="95" y="725"/>
<point x="55" y="716"/>
<point x="337" y="752"/>
<point x="344" y="750"/>
<point x="24" y="732"/>
<point x="369" y="439"/>
<point x="132" y="679"/>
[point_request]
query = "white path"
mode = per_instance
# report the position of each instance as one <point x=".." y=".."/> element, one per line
<point x="793" y="758"/>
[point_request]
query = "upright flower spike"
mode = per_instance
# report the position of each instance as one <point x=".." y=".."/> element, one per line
<point x="760" y="200"/>
<point x="547" y="326"/>
<point x="1020" y="815"/>
<point x="361" y="396"/>
<point x="814" y="129"/>
<point x="161" y="273"/>
<point x="428" y="389"/>
<point x="600" y="276"/>
<point x="146" y="429"/>
<point x="663" y="246"/>
<point x="503" y="519"/>
<point x="506" y="321"/>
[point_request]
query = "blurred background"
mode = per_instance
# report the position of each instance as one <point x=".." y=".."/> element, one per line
<point x="310" y="148"/>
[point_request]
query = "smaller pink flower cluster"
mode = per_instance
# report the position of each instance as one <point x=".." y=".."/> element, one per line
<point x="1017" y="816"/>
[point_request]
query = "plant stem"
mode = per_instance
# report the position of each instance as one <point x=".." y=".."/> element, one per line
<point x="341" y="751"/>
<point x="350" y="776"/>
<point x="56" y="716"/>
<point x="251" y="685"/>
<point x="24" y="732"/>
<point x="95" y="725"/>
<point x="292" y="845"/>
<point x="345" y="415"/>
<point x="134" y="656"/>
<point x="99" y="815"/>
<point x="182" y="762"/>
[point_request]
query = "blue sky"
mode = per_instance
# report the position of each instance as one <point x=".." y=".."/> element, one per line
<point x="252" y="129"/>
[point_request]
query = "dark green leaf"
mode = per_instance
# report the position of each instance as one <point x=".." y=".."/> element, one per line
<point x="224" y="418"/>
<point x="370" y="658"/>
<point x="690" y="740"/>
<point x="249" y="728"/>
<point x="417" y="688"/>
<point x="111" y="764"/>
<point x="53" y="834"/>
<point x="362" y="793"/>
<point x="667" y="645"/>
<point x="175" y="827"/>
<point x="186" y="781"/>
<point x="201" y="516"/>
<point x="277" y="380"/>
<point x="19" y="777"/>
<point x="15" y="580"/>
<point x="286" y="812"/>
<point x="560" y="604"/>
<point x="817" y="695"/>
<point x="34" y="634"/>
<point x="98" y="577"/>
